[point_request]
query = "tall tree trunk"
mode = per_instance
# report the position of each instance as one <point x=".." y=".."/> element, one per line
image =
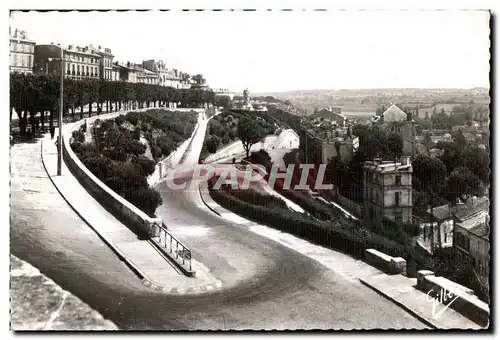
<point x="107" y="105"/>
<point x="90" y="109"/>
<point x="51" y="118"/>
<point x="42" y="115"/>
<point x="32" y="121"/>
<point x="81" y="112"/>
<point x="73" y="113"/>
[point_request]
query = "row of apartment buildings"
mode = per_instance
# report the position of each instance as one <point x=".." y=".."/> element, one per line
<point x="88" y="62"/>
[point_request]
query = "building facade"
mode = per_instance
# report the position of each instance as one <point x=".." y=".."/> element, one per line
<point x="106" y="61"/>
<point x="145" y="76"/>
<point x="21" y="52"/>
<point x="334" y="114"/>
<point x="78" y="62"/>
<point x="471" y="240"/>
<point x="436" y="225"/>
<point x="167" y="77"/>
<point x="394" y="120"/>
<point x="387" y="191"/>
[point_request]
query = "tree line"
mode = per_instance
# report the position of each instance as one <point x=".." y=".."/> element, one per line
<point x="38" y="94"/>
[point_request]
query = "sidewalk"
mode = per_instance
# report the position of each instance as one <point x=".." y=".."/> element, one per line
<point x="401" y="290"/>
<point x="140" y="255"/>
<point x="38" y="303"/>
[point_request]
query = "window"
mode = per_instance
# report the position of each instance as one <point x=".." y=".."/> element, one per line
<point x="397" y="198"/>
<point x="87" y="70"/>
<point x="398" y="179"/>
<point x="398" y="216"/>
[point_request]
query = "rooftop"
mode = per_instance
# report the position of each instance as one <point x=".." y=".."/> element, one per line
<point x="482" y="230"/>
<point x="388" y="166"/>
<point x="471" y="208"/>
<point x="474" y="221"/>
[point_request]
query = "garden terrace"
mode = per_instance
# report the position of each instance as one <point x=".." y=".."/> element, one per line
<point x="116" y="155"/>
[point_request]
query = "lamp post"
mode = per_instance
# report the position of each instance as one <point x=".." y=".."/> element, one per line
<point x="59" y="156"/>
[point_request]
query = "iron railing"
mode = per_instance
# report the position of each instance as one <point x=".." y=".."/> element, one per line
<point x="178" y="251"/>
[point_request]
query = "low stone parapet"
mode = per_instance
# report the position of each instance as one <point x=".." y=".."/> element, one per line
<point x="384" y="262"/>
<point x="454" y="295"/>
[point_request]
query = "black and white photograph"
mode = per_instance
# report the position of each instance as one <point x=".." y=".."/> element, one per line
<point x="250" y="170"/>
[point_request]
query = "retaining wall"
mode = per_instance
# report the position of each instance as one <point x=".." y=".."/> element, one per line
<point x="457" y="297"/>
<point x="134" y="218"/>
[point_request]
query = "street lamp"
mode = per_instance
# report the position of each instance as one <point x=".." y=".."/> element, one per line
<point x="59" y="142"/>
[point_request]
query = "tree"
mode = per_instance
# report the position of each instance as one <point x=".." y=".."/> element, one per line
<point x="427" y="139"/>
<point x="430" y="173"/>
<point x="478" y="161"/>
<point x="198" y="79"/>
<point x="212" y="144"/>
<point x="441" y="121"/>
<point x="395" y="145"/>
<point x="462" y="181"/>
<point x="460" y="140"/>
<point x="249" y="132"/>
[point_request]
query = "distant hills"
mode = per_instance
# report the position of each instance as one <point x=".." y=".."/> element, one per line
<point x="364" y="102"/>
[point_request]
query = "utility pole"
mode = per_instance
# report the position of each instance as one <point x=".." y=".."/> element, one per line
<point x="60" y="144"/>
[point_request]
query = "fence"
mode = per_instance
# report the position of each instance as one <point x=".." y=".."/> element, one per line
<point x="173" y="247"/>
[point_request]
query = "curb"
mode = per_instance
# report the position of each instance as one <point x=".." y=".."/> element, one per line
<point x="208" y="206"/>
<point x="400" y="304"/>
<point x="143" y="277"/>
<point x="203" y="288"/>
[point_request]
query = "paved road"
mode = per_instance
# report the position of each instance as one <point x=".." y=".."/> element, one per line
<point x="273" y="287"/>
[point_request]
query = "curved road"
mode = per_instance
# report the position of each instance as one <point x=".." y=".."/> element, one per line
<point x="266" y="285"/>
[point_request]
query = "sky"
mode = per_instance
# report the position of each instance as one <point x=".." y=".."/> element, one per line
<point x="273" y="51"/>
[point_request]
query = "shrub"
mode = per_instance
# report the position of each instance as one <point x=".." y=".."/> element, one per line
<point x="84" y="150"/>
<point x="254" y="197"/>
<point x="349" y="237"/>
<point x="146" y="199"/>
<point x="137" y="133"/>
<point x="144" y="164"/>
<point x="101" y="167"/>
<point x="133" y="117"/>
<point x="309" y="204"/>
<point x="261" y="157"/>
<point x="212" y="144"/>
<point x="78" y="136"/>
<point x="156" y="152"/>
<point x="115" y="154"/>
<point x="120" y="120"/>
<point x="131" y="146"/>
<point x="165" y="144"/>
<point x="145" y="127"/>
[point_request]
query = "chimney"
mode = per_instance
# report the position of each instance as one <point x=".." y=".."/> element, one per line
<point x="70" y="47"/>
<point x="52" y="43"/>
<point x="99" y="46"/>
